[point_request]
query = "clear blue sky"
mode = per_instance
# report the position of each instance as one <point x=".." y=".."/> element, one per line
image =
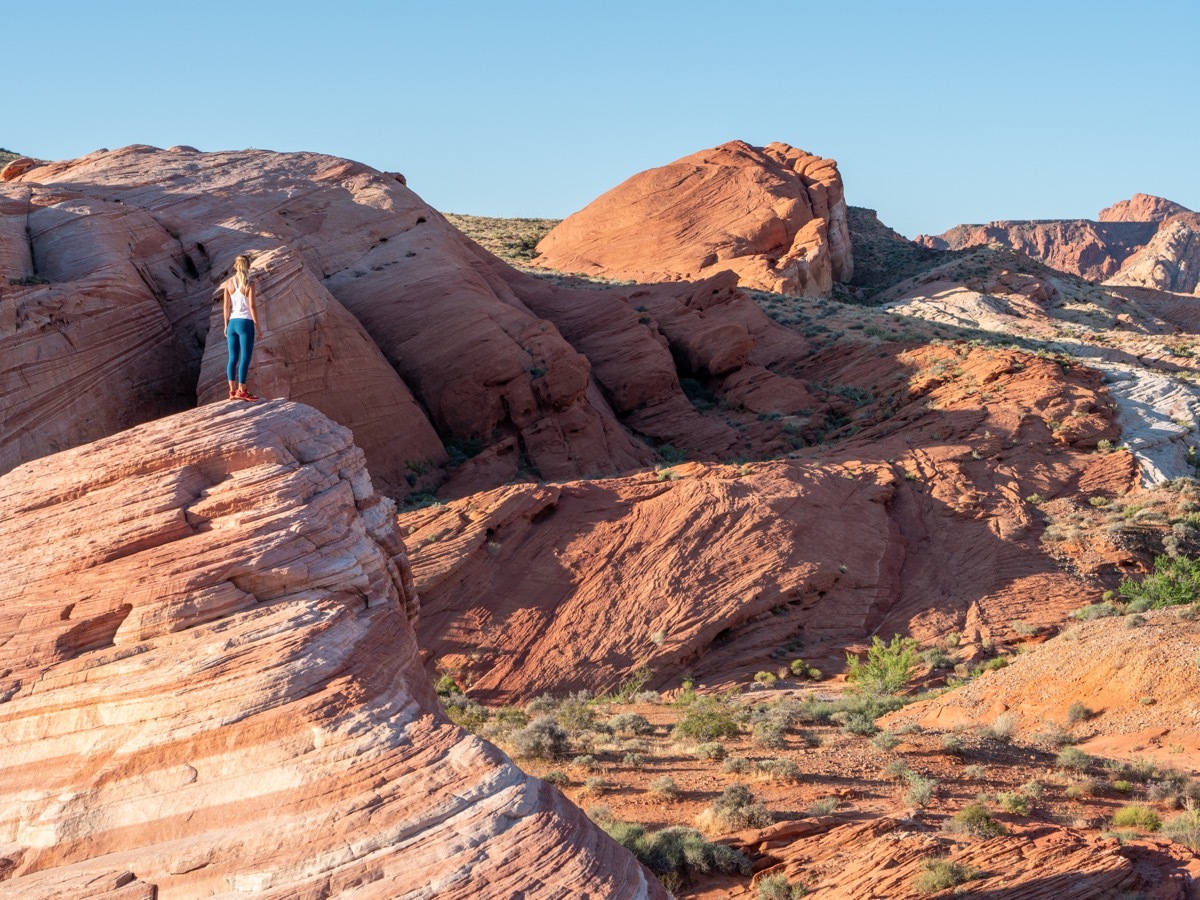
<point x="937" y="112"/>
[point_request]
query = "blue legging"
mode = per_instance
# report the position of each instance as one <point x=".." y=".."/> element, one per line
<point x="241" y="345"/>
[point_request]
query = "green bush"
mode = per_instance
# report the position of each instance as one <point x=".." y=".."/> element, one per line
<point x="941" y="874"/>
<point x="558" y="778"/>
<point x="1141" y="817"/>
<point x="767" y="679"/>
<point x="1175" y="581"/>
<point x="888" y="668"/>
<point x="710" y="750"/>
<point x="707" y="719"/>
<point x="630" y="723"/>
<point x="976" y="819"/>
<point x="576" y="713"/>
<point x="779" y="770"/>
<point x="737" y="765"/>
<point x="771" y="735"/>
<point x="665" y="787"/>
<point x="776" y="887"/>
<point x="1074" y="758"/>
<point x="1184" y="829"/>
<point x="445" y="686"/>
<point x="886" y="740"/>
<point x="1014" y="803"/>
<point x="920" y="790"/>
<point x="1078" y="712"/>
<point x="737" y="810"/>
<point x="464" y="712"/>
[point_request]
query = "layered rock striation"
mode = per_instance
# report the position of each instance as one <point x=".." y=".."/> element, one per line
<point x="774" y="215"/>
<point x="210" y="685"/>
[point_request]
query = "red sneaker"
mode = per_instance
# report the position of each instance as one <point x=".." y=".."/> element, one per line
<point x="245" y="395"/>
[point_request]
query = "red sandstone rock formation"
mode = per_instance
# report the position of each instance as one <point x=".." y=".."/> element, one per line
<point x="1092" y="250"/>
<point x="1170" y="261"/>
<point x="1142" y="208"/>
<point x="1145" y="241"/>
<point x="854" y="860"/>
<point x="209" y="683"/>
<point x="711" y="570"/>
<point x="774" y="215"/>
<point x="1140" y="684"/>
<point x="115" y="322"/>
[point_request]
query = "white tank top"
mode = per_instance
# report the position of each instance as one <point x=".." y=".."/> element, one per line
<point x="239" y="306"/>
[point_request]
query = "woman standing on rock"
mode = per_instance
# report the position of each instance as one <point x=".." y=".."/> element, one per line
<point x="241" y="323"/>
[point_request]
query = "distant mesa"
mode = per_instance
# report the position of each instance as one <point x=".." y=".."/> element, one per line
<point x="774" y="215"/>
<point x="1145" y="241"/>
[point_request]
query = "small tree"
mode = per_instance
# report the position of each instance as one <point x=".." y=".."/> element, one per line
<point x="888" y="668"/>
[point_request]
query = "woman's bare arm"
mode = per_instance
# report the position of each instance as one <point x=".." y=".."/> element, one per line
<point x="225" y="303"/>
<point x="250" y="297"/>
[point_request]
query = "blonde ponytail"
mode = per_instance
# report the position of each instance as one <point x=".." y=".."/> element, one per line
<point x="241" y="272"/>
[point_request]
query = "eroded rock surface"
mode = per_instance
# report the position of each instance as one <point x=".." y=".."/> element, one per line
<point x="914" y="521"/>
<point x="210" y="685"/>
<point x="775" y="215"/>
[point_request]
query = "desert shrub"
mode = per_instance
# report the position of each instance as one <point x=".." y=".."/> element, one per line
<point x="920" y="790"/>
<point x="710" y="750"/>
<point x="1078" y="712"/>
<point x="677" y="851"/>
<point x="585" y="761"/>
<point x="1172" y="789"/>
<point x="885" y="740"/>
<point x="909" y="728"/>
<point x="509" y="717"/>
<point x="543" y="704"/>
<point x="1073" y="758"/>
<point x="576" y="714"/>
<point x="634" y="760"/>
<point x="737" y="810"/>
<point x="942" y="874"/>
<point x="707" y="719"/>
<point x="558" y="778"/>
<point x="630" y="723"/>
<point x="1095" y="611"/>
<point x="1001" y="729"/>
<point x="1136" y="816"/>
<point x="856" y="723"/>
<point x="1184" y="828"/>
<point x="446" y="685"/>
<point x="952" y="743"/>
<point x="464" y="712"/>
<point x="776" y="887"/>
<point x="543" y="738"/>
<point x="779" y="770"/>
<point x="737" y="765"/>
<point x="975" y="819"/>
<point x="665" y="787"/>
<point x="595" y="785"/>
<point x="937" y="658"/>
<point x="822" y="807"/>
<point x="767" y="679"/>
<point x="1032" y="789"/>
<point x="1015" y="803"/>
<point x="1122" y="787"/>
<point x="888" y="667"/>
<point x="801" y="669"/>
<point x="1056" y="736"/>
<point x="975" y="773"/>
<point x="1175" y="581"/>
<point x="897" y="770"/>
<point x="770" y="734"/>
<point x="872" y="706"/>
